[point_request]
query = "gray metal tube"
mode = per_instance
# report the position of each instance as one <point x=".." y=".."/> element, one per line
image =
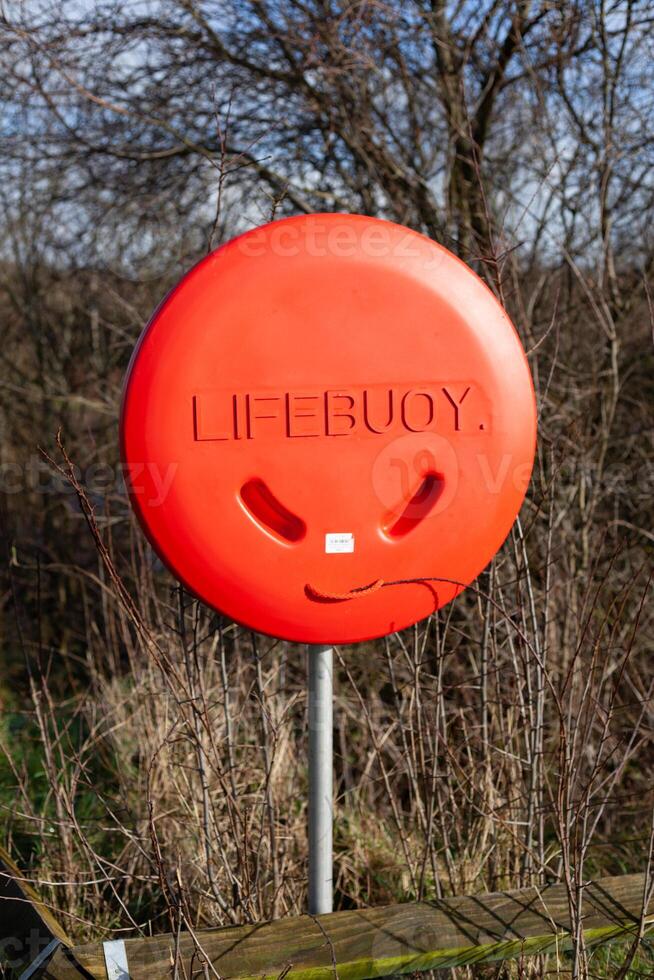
<point x="321" y="778"/>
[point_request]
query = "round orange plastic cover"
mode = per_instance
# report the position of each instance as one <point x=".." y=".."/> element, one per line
<point x="325" y="403"/>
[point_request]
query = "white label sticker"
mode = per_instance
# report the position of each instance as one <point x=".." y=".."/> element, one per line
<point x="115" y="960"/>
<point x="339" y="544"/>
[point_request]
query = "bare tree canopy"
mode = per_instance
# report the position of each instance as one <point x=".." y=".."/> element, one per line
<point x="476" y="123"/>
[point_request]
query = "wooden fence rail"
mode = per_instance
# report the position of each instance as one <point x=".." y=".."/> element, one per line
<point x="366" y="943"/>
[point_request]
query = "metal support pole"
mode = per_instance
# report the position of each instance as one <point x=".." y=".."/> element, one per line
<point x="321" y="782"/>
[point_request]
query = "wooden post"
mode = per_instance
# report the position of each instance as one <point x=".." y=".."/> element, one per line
<point x="367" y="943"/>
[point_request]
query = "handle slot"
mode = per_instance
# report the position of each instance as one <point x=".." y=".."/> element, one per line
<point x="269" y="513"/>
<point x="417" y="508"/>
